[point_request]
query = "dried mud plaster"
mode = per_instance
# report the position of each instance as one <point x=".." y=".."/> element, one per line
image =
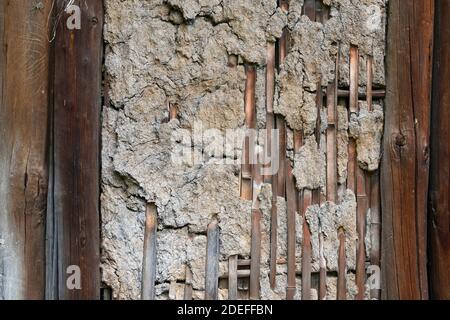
<point x="163" y="53"/>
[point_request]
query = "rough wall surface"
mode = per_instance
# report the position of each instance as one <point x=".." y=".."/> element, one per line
<point x="189" y="56"/>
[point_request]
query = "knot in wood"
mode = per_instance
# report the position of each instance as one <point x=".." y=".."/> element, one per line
<point x="400" y="140"/>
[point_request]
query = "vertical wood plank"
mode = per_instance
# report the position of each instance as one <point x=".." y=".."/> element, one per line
<point x="404" y="177"/>
<point x="24" y="107"/>
<point x="439" y="216"/>
<point x="77" y="98"/>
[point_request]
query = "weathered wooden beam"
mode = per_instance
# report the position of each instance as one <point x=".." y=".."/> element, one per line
<point x="404" y="177"/>
<point x="212" y="262"/>
<point x="24" y="111"/>
<point x="77" y="106"/>
<point x="150" y="253"/>
<point x="439" y="216"/>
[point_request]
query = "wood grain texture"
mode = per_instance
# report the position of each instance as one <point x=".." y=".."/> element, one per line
<point x="439" y="216"/>
<point x="404" y="176"/>
<point x="76" y="132"/>
<point x="24" y="108"/>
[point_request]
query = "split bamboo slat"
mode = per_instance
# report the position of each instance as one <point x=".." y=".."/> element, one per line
<point x="379" y="94"/>
<point x="406" y="149"/>
<point x="317" y="196"/>
<point x="373" y="191"/>
<point x="353" y="108"/>
<point x="342" y="267"/>
<point x="255" y="262"/>
<point x="232" y="277"/>
<point x="150" y="253"/>
<point x="439" y="215"/>
<point x="332" y="145"/>
<point x="307" y="248"/>
<point x="250" y="122"/>
<point x="78" y="58"/>
<point x="306" y="199"/>
<point x="240" y="274"/>
<point x="280" y="121"/>
<point x="291" y="194"/>
<point x="212" y="262"/>
<point x="173" y="111"/>
<point x="24" y="113"/>
<point x="273" y="179"/>
<point x="188" y="284"/>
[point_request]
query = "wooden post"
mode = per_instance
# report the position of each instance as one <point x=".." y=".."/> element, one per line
<point x="439" y="216"/>
<point x="76" y="131"/>
<point x="24" y="109"/>
<point x="404" y="172"/>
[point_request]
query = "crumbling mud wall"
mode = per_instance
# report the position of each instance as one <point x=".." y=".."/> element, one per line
<point x="176" y="74"/>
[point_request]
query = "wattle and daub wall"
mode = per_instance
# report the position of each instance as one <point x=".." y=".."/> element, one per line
<point x="184" y="80"/>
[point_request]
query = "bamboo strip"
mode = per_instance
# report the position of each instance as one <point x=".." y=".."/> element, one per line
<point x="281" y="126"/>
<point x="270" y="77"/>
<point x="331" y="147"/>
<point x="353" y="108"/>
<point x="232" y="277"/>
<point x="188" y="284"/>
<point x="241" y="274"/>
<point x="322" y="12"/>
<point x="212" y="262"/>
<point x="244" y="262"/>
<point x="376" y="94"/>
<point x="307" y="249"/>
<point x="255" y="262"/>
<point x="250" y="121"/>
<point x="309" y="9"/>
<point x="149" y="257"/>
<point x="255" y="266"/>
<point x="373" y="190"/>
<point x="375" y="228"/>
<point x="342" y="267"/>
<point x="173" y="111"/>
<point x="291" y="195"/>
<point x="362" y="206"/>
<point x="274" y="233"/>
<point x="369" y="90"/>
